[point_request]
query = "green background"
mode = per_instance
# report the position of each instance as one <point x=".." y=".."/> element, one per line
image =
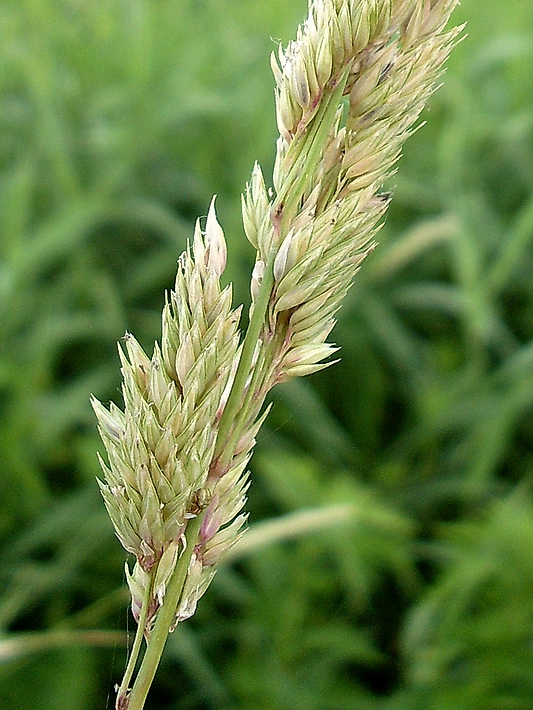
<point x="118" y="121"/>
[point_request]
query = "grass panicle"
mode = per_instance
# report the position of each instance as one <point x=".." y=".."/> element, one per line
<point x="349" y="91"/>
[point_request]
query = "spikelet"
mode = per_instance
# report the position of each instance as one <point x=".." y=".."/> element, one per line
<point x="349" y="90"/>
<point x="161" y="446"/>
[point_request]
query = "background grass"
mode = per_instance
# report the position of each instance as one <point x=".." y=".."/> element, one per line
<point x="118" y="121"/>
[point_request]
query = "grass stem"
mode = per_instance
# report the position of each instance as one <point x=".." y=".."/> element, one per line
<point x="223" y="452"/>
<point x="164" y="621"/>
<point x="137" y="642"/>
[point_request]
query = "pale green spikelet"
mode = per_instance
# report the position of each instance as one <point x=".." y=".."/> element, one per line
<point x="348" y="93"/>
<point x="161" y="446"/>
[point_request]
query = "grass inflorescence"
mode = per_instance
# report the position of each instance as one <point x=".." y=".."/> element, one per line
<point x="119" y="122"/>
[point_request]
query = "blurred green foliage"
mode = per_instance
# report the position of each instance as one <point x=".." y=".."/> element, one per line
<point x="118" y="121"/>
